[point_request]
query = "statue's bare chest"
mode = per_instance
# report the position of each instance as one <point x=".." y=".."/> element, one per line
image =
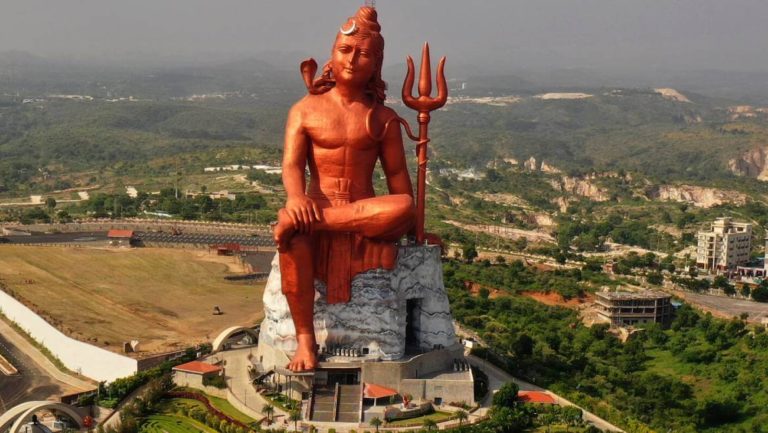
<point x="337" y="130"/>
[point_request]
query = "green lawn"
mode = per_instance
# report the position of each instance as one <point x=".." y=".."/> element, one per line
<point x="436" y="416"/>
<point x="168" y="412"/>
<point x="219" y="403"/>
<point x="173" y="424"/>
<point x="558" y="428"/>
<point x="224" y="406"/>
<point x="280" y="401"/>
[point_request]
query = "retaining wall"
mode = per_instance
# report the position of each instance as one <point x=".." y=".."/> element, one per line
<point x="91" y="361"/>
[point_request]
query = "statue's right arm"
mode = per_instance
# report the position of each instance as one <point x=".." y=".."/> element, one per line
<point x="300" y="208"/>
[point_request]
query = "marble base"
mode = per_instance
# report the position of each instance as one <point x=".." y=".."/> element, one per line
<point x="374" y="323"/>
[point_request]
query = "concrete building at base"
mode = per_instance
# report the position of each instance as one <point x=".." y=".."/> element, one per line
<point x="725" y="247"/>
<point x="632" y="308"/>
<point x="393" y="340"/>
<point x="194" y="374"/>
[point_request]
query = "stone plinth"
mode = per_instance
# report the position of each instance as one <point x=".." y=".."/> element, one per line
<point x="376" y="320"/>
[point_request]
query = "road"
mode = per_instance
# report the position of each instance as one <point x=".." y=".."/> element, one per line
<point x="497" y="377"/>
<point x="38" y="378"/>
<point x="725" y="307"/>
<point x="239" y="382"/>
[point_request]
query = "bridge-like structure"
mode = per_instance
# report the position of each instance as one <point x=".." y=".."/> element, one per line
<point x="13" y="420"/>
<point x="220" y="341"/>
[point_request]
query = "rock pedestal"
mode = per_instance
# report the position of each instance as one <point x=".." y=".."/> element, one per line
<point x="387" y="309"/>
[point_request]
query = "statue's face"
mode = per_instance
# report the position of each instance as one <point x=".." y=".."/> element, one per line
<point x="353" y="60"/>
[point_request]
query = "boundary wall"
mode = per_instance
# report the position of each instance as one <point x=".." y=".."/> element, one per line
<point x="91" y="361"/>
<point x="142" y="224"/>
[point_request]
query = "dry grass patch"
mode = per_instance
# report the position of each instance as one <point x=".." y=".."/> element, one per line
<point x="162" y="297"/>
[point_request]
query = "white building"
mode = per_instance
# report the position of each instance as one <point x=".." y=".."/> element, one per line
<point x="725" y="246"/>
<point x="131" y="191"/>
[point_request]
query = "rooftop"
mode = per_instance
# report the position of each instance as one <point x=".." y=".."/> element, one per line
<point x="371" y="390"/>
<point x="114" y="233"/>
<point x="535" y="397"/>
<point x="646" y="294"/>
<point x="197" y="367"/>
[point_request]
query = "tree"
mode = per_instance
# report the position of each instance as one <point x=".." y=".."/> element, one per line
<point x="492" y="175"/>
<point x="429" y="424"/>
<point x="520" y="243"/>
<point x="655" y="278"/>
<point x="376" y="422"/>
<point x="268" y="410"/>
<point x="547" y="418"/>
<point x="572" y="415"/>
<point x="295" y="416"/>
<point x="462" y="416"/>
<point x="745" y="291"/>
<point x="50" y="203"/>
<point x="469" y="252"/>
<point x="760" y="293"/>
<point x="506" y="396"/>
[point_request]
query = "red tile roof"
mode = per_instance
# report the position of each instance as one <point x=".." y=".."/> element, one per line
<point x="535" y="397"/>
<point x="371" y="390"/>
<point x="197" y="367"/>
<point x="114" y="233"/>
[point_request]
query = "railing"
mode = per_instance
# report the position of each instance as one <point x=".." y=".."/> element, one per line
<point x="311" y="404"/>
<point x="362" y="394"/>
<point x="336" y="393"/>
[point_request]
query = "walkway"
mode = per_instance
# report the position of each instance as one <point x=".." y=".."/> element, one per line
<point x="240" y="386"/>
<point x="497" y="377"/>
<point x="18" y="341"/>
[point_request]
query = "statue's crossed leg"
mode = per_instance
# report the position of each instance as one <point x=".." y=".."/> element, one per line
<point x="385" y="218"/>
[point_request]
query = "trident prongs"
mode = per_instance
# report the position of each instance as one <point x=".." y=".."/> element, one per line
<point x="424" y="104"/>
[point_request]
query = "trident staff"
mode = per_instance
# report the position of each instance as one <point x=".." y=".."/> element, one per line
<point x="424" y="103"/>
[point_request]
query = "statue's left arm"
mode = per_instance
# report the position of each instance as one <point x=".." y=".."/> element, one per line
<point x="392" y="157"/>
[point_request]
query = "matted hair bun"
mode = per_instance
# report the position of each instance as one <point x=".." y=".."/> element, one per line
<point x="367" y="18"/>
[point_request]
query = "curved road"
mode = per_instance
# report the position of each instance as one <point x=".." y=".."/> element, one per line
<point x="38" y="378"/>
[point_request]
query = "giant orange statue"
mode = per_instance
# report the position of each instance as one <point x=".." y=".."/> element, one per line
<point x="335" y="227"/>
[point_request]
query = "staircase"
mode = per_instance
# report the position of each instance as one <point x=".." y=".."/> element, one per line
<point x="338" y="404"/>
<point x="323" y="404"/>
<point x="349" y="403"/>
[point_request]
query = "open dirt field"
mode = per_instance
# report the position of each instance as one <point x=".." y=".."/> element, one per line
<point x="556" y="299"/>
<point x="162" y="297"/>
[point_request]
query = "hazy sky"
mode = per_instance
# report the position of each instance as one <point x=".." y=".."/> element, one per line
<point x="614" y="34"/>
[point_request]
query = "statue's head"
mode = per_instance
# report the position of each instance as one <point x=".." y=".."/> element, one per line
<point x="358" y="54"/>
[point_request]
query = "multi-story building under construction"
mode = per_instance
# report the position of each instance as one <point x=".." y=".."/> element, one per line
<point x="632" y="308"/>
<point x="725" y="246"/>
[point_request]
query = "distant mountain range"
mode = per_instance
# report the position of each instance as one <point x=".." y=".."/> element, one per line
<point x="564" y="118"/>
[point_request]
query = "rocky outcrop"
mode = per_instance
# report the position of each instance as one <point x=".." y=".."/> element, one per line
<point x="530" y="164"/>
<point x="702" y="197"/>
<point x="548" y="168"/>
<point x="580" y="187"/>
<point x="753" y="163"/>
<point x="672" y="94"/>
<point x="373" y="322"/>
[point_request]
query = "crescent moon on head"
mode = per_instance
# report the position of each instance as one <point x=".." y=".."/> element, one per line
<point x="350" y="30"/>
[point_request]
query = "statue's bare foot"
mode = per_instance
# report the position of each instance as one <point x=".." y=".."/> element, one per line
<point x="283" y="230"/>
<point x="305" y="358"/>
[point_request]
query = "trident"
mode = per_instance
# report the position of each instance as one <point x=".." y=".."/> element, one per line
<point x="423" y="104"/>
